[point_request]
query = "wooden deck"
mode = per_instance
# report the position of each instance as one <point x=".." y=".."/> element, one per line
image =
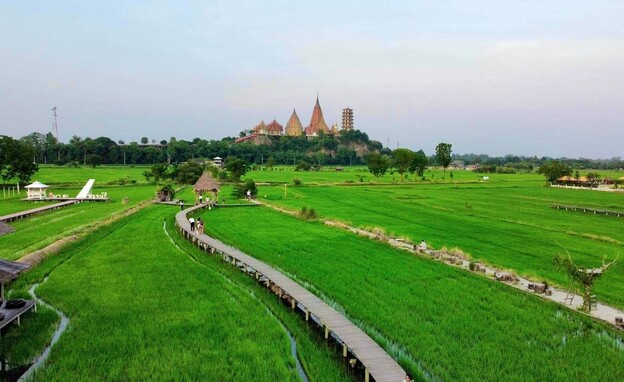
<point x="11" y="315"/>
<point x="27" y="213"/>
<point x="377" y="363"/>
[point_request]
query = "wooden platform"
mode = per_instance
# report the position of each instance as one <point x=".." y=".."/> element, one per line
<point x="27" y="213"/>
<point x="378" y="364"/>
<point x="11" y="315"/>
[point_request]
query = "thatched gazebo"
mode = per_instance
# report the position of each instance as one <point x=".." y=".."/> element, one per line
<point x="206" y="183"/>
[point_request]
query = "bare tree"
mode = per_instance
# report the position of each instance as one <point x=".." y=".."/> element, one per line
<point x="583" y="277"/>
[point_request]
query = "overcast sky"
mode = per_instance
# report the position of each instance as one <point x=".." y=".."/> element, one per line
<point x="496" y="77"/>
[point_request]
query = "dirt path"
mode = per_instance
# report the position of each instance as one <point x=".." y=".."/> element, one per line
<point x="602" y="311"/>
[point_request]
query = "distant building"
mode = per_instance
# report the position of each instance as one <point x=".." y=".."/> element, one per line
<point x="260" y="128"/>
<point x="294" y="127"/>
<point x="347" y="119"/>
<point x="317" y="122"/>
<point x="274" y="128"/>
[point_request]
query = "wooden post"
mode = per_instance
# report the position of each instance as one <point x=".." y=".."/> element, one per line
<point x="257" y="275"/>
<point x="293" y="303"/>
<point x="344" y="350"/>
<point x="366" y="375"/>
<point x="307" y="313"/>
<point x="326" y="332"/>
<point x="279" y="292"/>
<point x="245" y="267"/>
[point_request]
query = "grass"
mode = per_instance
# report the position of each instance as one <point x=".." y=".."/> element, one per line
<point x="53" y="175"/>
<point x="141" y="309"/>
<point x="361" y="175"/>
<point x="40" y="230"/>
<point x="509" y="225"/>
<point x="319" y="360"/>
<point x="444" y="323"/>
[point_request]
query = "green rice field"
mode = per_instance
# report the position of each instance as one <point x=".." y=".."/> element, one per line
<point x="171" y="312"/>
<point x="511" y="226"/>
<point x="141" y="308"/>
<point x="447" y="324"/>
<point x="40" y="230"/>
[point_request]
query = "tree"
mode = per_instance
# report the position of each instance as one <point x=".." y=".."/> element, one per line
<point x="593" y="178"/>
<point x="144" y="140"/>
<point x="377" y="164"/>
<point x="16" y="160"/>
<point x="236" y="167"/>
<point x="158" y="171"/>
<point x="240" y="190"/>
<point x="270" y="163"/>
<point x="419" y="163"/>
<point x="443" y="155"/>
<point x="94" y="160"/>
<point x="554" y="170"/>
<point x="148" y="175"/>
<point x="583" y="277"/>
<point x="402" y="160"/>
<point x="189" y="172"/>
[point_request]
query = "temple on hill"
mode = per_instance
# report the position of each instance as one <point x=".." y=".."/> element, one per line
<point x="317" y="122"/>
<point x="294" y="127"/>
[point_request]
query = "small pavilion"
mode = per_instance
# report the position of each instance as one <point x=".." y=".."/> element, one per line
<point x="36" y="190"/>
<point x="206" y="183"/>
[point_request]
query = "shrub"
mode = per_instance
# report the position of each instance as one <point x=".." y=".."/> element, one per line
<point x="240" y="190"/>
<point x="303" y="166"/>
<point x="308" y="213"/>
<point x="296" y="181"/>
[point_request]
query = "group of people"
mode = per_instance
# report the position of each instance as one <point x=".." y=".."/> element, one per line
<point x="197" y="226"/>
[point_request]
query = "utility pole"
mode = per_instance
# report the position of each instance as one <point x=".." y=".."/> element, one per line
<point x="56" y="130"/>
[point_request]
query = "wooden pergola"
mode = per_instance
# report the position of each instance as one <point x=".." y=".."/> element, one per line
<point x="206" y="183"/>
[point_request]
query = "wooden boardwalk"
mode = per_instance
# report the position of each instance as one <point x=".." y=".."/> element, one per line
<point x="588" y="209"/>
<point x="11" y="315"/>
<point x="27" y="213"/>
<point x="378" y="365"/>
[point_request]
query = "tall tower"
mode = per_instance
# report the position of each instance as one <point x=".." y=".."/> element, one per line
<point x="55" y="125"/>
<point x="347" y="119"/>
<point x="317" y="122"/>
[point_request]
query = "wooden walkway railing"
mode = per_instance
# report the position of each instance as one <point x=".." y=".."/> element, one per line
<point x="24" y="214"/>
<point x="588" y="209"/>
<point x="377" y="364"/>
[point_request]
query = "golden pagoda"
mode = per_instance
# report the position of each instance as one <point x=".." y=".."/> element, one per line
<point x="294" y="127"/>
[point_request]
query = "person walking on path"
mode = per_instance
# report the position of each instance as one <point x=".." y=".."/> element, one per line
<point x="422" y="247"/>
<point x="200" y="225"/>
<point x="200" y="198"/>
<point x="181" y="205"/>
<point x="192" y="221"/>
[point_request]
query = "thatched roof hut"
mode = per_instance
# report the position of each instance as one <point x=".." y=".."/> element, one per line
<point x="206" y="183"/>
